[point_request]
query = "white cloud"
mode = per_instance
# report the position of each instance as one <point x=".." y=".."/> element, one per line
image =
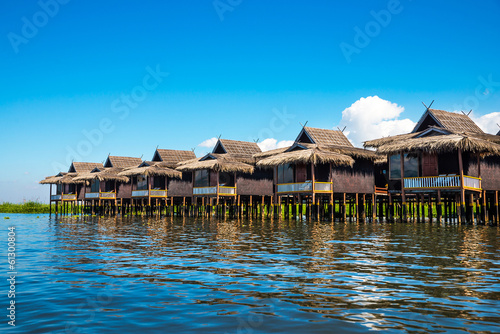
<point x="372" y="117"/>
<point x="210" y="143"/>
<point x="271" y="144"/>
<point x="487" y="123"/>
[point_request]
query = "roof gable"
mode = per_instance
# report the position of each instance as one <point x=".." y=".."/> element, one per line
<point x="122" y="162"/>
<point x="433" y="131"/>
<point x="207" y="156"/>
<point x="450" y="121"/>
<point x="295" y="147"/>
<point x="317" y="136"/>
<point x="224" y="146"/>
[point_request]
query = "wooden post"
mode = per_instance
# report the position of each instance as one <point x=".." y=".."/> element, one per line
<point x="496" y="207"/>
<point x="374" y="207"/>
<point x="484" y="209"/>
<point x="313" y="181"/>
<point x="357" y="207"/>
<point x="50" y="200"/>
<point x="344" y="211"/>
<point x="403" y="196"/>
<point x="217" y="189"/>
<point x="471" y="208"/>
<point x="439" y="207"/>
<point x="462" y="190"/>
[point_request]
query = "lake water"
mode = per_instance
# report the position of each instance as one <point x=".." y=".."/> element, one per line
<point x="181" y="275"/>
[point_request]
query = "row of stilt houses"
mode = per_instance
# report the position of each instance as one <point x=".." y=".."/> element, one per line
<point x="446" y="169"/>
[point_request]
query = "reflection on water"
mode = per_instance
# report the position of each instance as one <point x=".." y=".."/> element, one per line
<point x="98" y="275"/>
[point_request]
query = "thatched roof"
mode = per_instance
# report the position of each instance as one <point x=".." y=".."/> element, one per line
<point x="236" y="147"/>
<point x="455" y="122"/>
<point x="441" y="144"/>
<point x="217" y="162"/>
<point x="269" y="153"/>
<point x="82" y="167"/>
<point x="313" y="155"/>
<point x="62" y="178"/>
<point x="171" y="158"/>
<point x="122" y="162"/>
<point x="107" y="174"/>
<point x="69" y="179"/>
<point x="390" y="139"/>
<point x="353" y="152"/>
<point x="155" y="169"/>
<point x="54" y="179"/>
<point x="323" y="137"/>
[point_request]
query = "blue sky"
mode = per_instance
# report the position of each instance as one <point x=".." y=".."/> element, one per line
<point x="240" y="69"/>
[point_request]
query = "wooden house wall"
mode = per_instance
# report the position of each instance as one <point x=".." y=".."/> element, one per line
<point x="358" y="179"/>
<point x="250" y="186"/>
<point x="490" y="172"/>
<point x="180" y="188"/>
<point x="124" y="190"/>
<point x="81" y="192"/>
<point x="301" y="172"/>
<point x="260" y="183"/>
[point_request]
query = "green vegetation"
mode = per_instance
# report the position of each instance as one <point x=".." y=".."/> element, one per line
<point x="26" y="207"/>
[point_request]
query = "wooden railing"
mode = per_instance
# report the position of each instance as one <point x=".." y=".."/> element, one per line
<point x="55" y="197"/>
<point x="158" y="193"/>
<point x="102" y="194"/>
<point x="152" y="193"/>
<point x="204" y="190"/>
<point x="224" y="190"/>
<point x="140" y="193"/>
<point x="295" y="187"/>
<point x="323" y="186"/>
<point x="69" y="197"/>
<point x="441" y="182"/>
<point x="381" y="190"/>
<point x="472" y="182"/>
<point x="307" y="186"/>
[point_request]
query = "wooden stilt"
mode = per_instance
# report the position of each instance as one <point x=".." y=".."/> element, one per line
<point x="344" y="211"/>
<point x="439" y="207"/>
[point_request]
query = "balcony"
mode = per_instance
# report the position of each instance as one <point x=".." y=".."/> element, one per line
<point x="305" y="187"/>
<point x="55" y="197"/>
<point x="152" y="193"/>
<point x="445" y="182"/>
<point x="101" y="195"/>
<point x="381" y="190"/>
<point x="205" y="191"/>
<point x="227" y="191"/>
<point x="69" y="197"/>
<point x="63" y="197"/>
<point x="223" y="191"/>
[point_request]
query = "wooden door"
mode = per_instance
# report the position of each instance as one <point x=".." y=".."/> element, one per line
<point x="429" y="165"/>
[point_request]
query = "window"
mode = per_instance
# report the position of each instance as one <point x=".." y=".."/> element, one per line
<point x="109" y="186"/>
<point x="94" y="186"/>
<point x="142" y="182"/>
<point x="59" y="189"/>
<point x="286" y="173"/>
<point x="201" y="178"/>
<point x="226" y="179"/>
<point x="159" y="182"/>
<point x="410" y="166"/>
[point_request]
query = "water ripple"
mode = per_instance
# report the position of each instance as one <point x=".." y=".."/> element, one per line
<point x="103" y="275"/>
